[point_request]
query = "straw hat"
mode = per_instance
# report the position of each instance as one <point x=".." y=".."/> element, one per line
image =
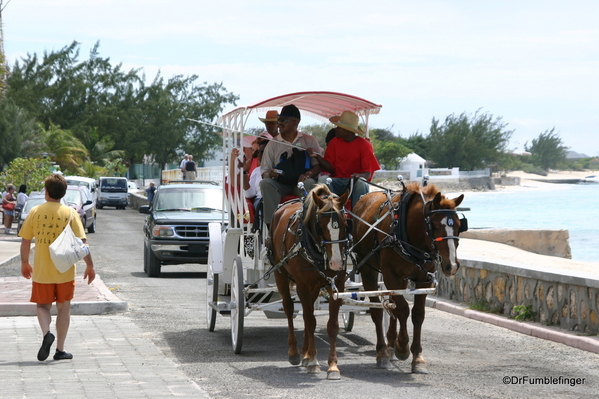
<point x="348" y="121"/>
<point x="271" y="116"/>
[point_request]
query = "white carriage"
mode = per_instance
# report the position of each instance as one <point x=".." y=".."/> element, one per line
<point x="239" y="280"/>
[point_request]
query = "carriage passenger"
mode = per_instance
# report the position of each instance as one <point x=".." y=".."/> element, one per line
<point x="348" y="156"/>
<point x="275" y="185"/>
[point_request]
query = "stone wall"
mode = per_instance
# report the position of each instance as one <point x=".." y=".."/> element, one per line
<point x="136" y="200"/>
<point x="569" y="300"/>
<point x="544" y="242"/>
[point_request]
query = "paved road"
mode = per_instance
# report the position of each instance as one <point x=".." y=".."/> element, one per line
<point x="465" y="358"/>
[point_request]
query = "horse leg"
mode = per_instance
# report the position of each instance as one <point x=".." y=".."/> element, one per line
<point x="283" y="287"/>
<point x="400" y="341"/>
<point x="418" y="310"/>
<point x="309" y="347"/>
<point x="370" y="283"/>
<point x="333" y="372"/>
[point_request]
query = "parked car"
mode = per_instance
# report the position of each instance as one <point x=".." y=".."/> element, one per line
<point x="34" y="199"/>
<point x="80" y="198"/>
<point x="112" y="191"/>
<point x="88" y="182"/>
<point x="176" y="228"/>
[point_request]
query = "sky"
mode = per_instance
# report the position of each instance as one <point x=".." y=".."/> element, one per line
<point x="534" y="64"/>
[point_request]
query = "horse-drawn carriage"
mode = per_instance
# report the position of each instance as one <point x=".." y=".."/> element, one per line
<point x="252" y="269"/>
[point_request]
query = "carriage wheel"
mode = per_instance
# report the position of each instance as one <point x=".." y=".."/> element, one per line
<point x="211" y="295"/>
<point x="237" y="305"/>
<point x="348" y="320"/>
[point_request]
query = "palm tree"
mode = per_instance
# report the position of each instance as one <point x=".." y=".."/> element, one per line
<point x="64" y="149"/>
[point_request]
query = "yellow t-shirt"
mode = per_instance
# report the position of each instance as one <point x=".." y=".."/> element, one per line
<point x="45" y="222"/>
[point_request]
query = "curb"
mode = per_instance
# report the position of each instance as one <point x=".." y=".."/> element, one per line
<point x="589" y="344"/>
<point x="77" y="308"/>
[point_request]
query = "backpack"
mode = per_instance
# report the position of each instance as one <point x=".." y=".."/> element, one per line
<point x="294" y="166"/>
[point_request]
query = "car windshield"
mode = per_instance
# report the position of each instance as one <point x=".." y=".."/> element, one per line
<point x="73" y="197"/>
<point x="189" y="199"/>
<point x="31" y="202"/>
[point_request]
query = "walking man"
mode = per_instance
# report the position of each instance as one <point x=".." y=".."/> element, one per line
<point x="45" y="222"/>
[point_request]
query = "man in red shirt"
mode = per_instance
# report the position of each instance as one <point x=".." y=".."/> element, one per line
<point x="348" y="156"/>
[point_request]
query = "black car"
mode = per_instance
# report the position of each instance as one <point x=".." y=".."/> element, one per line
<point x="176" y="228"/>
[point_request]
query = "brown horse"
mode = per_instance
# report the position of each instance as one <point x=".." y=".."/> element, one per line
<point x="405" y="236"/>
<point x="309" y="246"/>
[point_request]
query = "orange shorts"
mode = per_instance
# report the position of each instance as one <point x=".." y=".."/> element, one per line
<point x="48" y="293"/>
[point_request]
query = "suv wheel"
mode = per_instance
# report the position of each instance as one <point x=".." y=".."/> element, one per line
<point x="153" y="264"/>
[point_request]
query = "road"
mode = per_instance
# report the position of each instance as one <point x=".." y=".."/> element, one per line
<point x="466" y="358"/>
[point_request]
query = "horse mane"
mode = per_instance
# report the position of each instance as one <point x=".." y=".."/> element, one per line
<point x="322" y="191"/>
<point x="429" y="191"/>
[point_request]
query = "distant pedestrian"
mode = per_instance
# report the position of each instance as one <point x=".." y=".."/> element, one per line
<point x="150" y="191"/>
<point x="191" y="169"/>
<point x="8" y="207"/>
<point x="45" y="222"/>
<point x="182" y="165"/>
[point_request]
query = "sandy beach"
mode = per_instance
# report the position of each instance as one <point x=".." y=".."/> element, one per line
<point x="531" y="181"/>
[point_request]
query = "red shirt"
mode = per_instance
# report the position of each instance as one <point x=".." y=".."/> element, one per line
<point x="356" y="156"/>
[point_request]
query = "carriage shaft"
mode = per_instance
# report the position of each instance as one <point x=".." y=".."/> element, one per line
<point x="357" y="294"/>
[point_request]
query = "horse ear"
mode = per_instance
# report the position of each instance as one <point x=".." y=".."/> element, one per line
<point x="316" y="198"/>
<point x="343" y="199"/>
<point x="458" y="200"/>
<point x="437" y="201"/>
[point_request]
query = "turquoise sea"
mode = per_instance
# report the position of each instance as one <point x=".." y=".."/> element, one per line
<point x="573" y="207"/>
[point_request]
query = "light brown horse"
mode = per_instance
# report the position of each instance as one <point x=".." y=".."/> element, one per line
<point x="413" y="232"/>
<point x="309" y="245"/>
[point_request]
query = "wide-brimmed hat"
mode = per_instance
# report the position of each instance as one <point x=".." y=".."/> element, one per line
<point x="271" y="116"/>
<point x="348" y="121"/>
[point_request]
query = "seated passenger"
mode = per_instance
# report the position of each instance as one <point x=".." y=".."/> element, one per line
<point x="348" y="156"/>
<point x="275" y="185"/>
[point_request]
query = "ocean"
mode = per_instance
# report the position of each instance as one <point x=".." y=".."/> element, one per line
<point x="572" y="207"/>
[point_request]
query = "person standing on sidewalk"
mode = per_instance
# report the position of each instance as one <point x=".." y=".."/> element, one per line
<point x="45" y="222"/>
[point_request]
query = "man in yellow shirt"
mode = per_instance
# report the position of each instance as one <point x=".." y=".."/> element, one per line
<point x="45" y="222"/>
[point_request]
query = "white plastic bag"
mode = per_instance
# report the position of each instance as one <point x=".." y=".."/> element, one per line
<point x="67" y="249"/>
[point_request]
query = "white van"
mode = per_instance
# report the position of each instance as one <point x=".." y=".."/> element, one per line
<point x="91" y="184"/>
<point x="112" y="191"/>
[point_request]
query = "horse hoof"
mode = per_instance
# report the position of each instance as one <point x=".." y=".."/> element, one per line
<point x="402" y="356"/>
<point x="314" y="369"/>
<point x="419" y="368"/>
<point x="383" y="363"/>
<point x="295" y="360"/>
<point x="305" y="362"/>
<point x="333" y="375"/>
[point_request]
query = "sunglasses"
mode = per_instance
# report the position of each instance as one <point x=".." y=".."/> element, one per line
<point x="282" y="120"/>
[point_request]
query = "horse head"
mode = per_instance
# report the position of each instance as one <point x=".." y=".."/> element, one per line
<point x="328" y="223"/>
<point x="443" y="228"/>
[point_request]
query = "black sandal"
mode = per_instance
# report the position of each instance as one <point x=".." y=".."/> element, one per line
<point x="62" y="355"/>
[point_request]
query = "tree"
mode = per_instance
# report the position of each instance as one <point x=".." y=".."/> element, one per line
<point x="388" y="148"/>
<point x="547" y="150"/>
<point x="64" y="148"/>
<point x="29" y="171"/>
<point x="468" y="142"/>
<point x="94" y="97"/>
<point x="17" y="132"/>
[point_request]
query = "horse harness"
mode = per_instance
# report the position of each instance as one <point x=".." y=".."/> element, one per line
<point x="398" y="237"/>
<point x="310" y="246"/>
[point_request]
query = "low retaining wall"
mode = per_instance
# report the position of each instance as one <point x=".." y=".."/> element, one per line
<point x="544" y="242"/>
<point x="568" y="301"/>
<point x="136" y="200"/>
<point x="566" y="298"/>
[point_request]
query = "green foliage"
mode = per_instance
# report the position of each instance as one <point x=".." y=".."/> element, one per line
<point x="17" y="132"/>
<point x="547" y="150"/>
<point x="388" y="148"/>
<point x="29" y="171"/>
<point x="529" y="168"/>
<point x="64" y="149"/>
<point x="483" y="305"/>
<point x="468" y="141"/>
<point x="319" y="131"/>
<point x="112" y="111"/>
<point x="523" y="313"/>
